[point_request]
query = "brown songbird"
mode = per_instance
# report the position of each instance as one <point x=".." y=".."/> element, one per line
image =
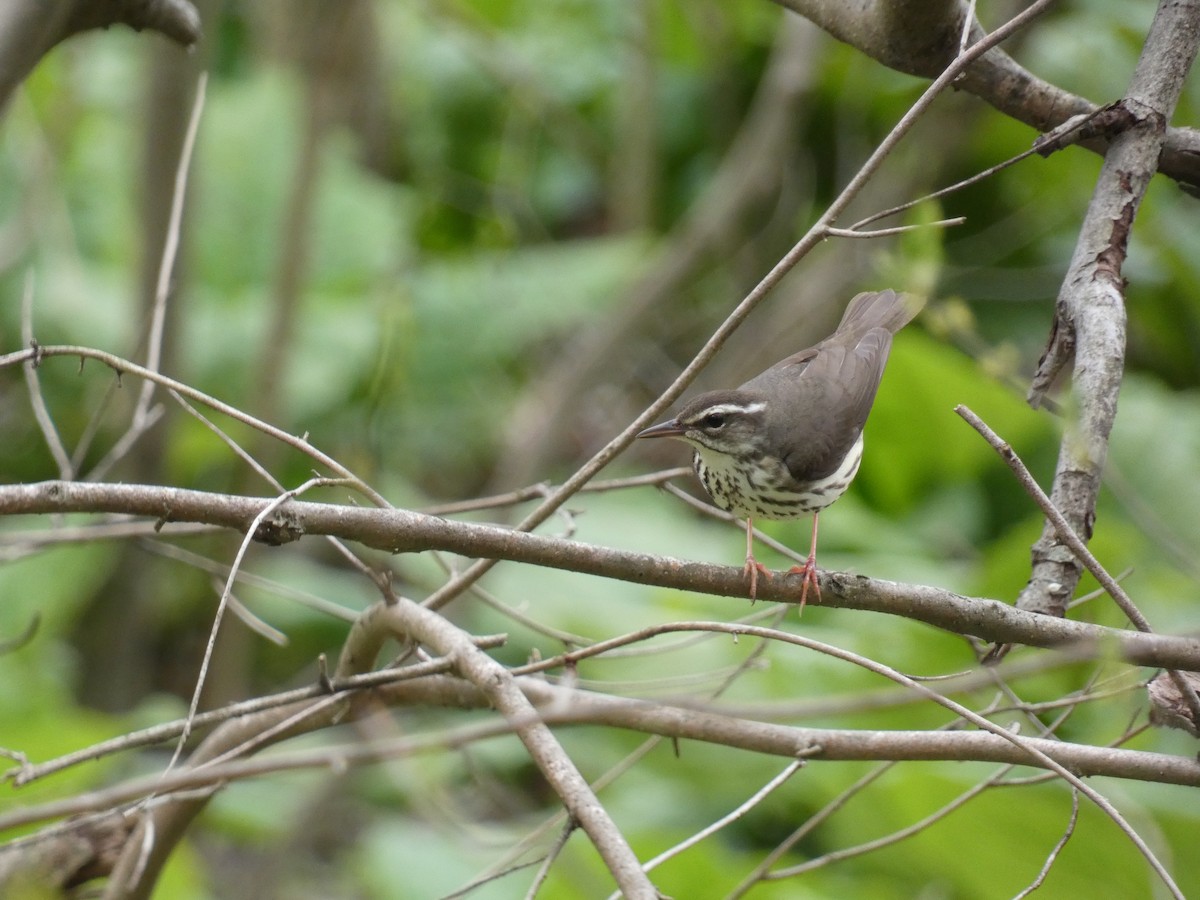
<point x="788" y="442"/>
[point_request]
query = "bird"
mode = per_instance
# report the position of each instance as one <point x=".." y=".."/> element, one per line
<point x="789" y="441"/>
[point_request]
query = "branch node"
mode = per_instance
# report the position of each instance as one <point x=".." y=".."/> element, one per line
<point x="323" y="680"/>
<point x="281" y="527"/>
<point x="1105" y="123"/>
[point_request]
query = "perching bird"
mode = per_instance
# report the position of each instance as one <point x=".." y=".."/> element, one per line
<point x="788" y="442"/>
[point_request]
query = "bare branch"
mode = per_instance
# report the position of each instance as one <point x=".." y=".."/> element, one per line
<point x="1089" y="320"/>
<point x="922" y="38"/>
<point x="1067" y="535"/>
<point x="761" y="794"/>
<point x="823" y="814"/>
<point x="536" y="491"/>
<point x="401" y="531"/>
<point x="898" y="229"/>
<point x="567" y="706"/>
<point x="498" y="685"/>
<point x="1057" y="849"/>
<point x="29" y="29"/>
<point x="733" y="321"/>
<point x="896" y="836"/>
<point x="119" y="365"/>
<point x="26" y="772"/>
<point x="223" y="602"/>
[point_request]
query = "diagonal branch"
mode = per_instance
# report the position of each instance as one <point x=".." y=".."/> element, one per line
<point x="815" y="235"/>
<point x="1078" y="547"/>
<point x="922" y="37"/>
<point x="1089" y="321"/>
<point x="503" y="693"/>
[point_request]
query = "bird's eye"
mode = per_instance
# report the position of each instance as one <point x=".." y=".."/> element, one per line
<point x="714" y="420"/>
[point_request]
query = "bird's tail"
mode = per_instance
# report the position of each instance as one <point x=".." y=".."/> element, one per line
<point x="880" y="309"/>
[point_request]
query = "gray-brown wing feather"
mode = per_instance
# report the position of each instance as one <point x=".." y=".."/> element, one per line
<point x="827" y="390"/>
<point x="826" y="396"/>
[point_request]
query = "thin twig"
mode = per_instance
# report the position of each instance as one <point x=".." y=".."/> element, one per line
<point x="166" y="268"/>
<point x="45" y="422"/>
<point x="810" y="824"/>
<point x="943" y="192"/>
<point x="894" y="837"/>
<point x="761" y="794"/>
<point x="968" y="21"/>
<point x="238" y="451"/>
<point x="251" y="621"/>
<point x="144" y="415"/>
<point x="1055" y="851"/>
<point x="733" y="321"/>
<point x="121" y="365"/>
<point x="223" y="602"/>
<point x="1068" y="536"/>
<point x="467" y="889"/>
<point x="555" y="851"/>
<point x="339" y="546"/>
<point x="156" y="734"/>
<point x="33" y="540"/>
<point x="534" y="491"/>
<point x="898" y="229"/>
<point x="249" y="579"/>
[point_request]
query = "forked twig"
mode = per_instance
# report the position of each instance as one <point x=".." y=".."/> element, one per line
<point x="1068" y="536"/>
<point x="761" y="794"/>
<point x="894" y="837"/>
<point x="1054" y="851"/>
<point x="210" y="646"/>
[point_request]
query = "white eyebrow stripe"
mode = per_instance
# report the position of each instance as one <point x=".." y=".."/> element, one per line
<point x="756" y="406"/>
<point x="721" y="409"/>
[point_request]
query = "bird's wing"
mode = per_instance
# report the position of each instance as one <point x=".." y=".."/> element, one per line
<point x="824" y="395"/>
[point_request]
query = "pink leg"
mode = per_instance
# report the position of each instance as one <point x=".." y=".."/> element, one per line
<point x="753" y="566"/>
<point x="809" y="569"/>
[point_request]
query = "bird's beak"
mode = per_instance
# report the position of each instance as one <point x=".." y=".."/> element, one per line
<point x="670" y="428"/>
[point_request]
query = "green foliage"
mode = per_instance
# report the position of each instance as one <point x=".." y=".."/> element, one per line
<point x="439" y="287"/>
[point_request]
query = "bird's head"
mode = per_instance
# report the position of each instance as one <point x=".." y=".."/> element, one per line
<point x="728" y="422"/>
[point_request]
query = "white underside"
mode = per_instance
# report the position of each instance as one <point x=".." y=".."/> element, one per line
<point x="772" y="493"/>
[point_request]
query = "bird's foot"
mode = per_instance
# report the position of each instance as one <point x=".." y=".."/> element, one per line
<point x="751" y="570"/>
<point x="809" y="573"/>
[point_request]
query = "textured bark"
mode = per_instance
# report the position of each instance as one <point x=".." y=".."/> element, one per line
<point x="1089" y="323"/>
<point x="402" y="531"/>
<point x="921" y="38"/>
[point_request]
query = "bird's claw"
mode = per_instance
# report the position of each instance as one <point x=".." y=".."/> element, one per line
<point x="809" y="573"/>
<point x="751" y="570"/>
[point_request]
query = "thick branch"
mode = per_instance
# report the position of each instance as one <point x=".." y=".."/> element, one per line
<point x="137" y="874"/>
<point x="29" y="29"/>
<point x="561" y="705"/>
<point x="401" y="531"/>
<point x="501" y="692"/>
<point x="1089" y="325"/>
<point x="922" y="37"/>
